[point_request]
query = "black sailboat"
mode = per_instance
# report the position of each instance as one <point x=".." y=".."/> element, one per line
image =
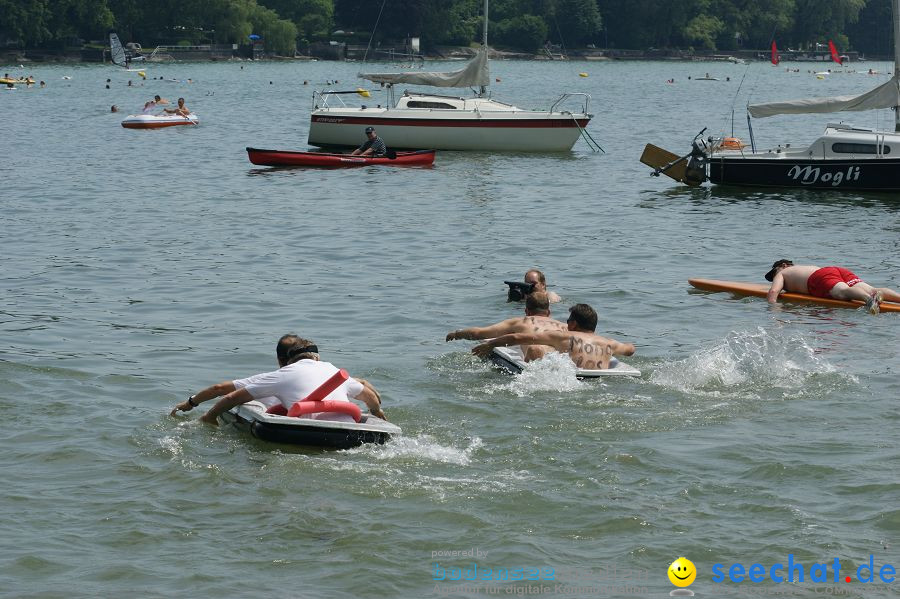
<point x="843" y="157"/>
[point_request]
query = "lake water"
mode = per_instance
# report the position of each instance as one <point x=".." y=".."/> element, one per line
<point x="141" y="266"/>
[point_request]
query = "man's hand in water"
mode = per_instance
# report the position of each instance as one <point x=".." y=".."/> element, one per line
<point x="483" y="350"/>
<point x="182" y="407"/>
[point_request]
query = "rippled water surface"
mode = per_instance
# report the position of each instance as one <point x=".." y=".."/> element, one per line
<point x="141" y="266"/>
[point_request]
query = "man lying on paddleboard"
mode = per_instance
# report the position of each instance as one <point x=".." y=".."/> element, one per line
<point x="300" y="374"/>
<point x="830" y="281"/>
<point x="588" y="350"/>
<point x="536" y="320"/>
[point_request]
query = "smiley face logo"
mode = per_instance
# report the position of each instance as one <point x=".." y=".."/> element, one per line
<point x="682" y="572"/>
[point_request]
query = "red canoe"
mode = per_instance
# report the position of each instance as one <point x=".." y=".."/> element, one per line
<point x="285" y="158"/>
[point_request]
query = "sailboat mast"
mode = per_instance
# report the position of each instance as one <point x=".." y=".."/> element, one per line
<point x="483" y="90"/>
<point x="485" y="24"/>
<point x="896" y="16"/>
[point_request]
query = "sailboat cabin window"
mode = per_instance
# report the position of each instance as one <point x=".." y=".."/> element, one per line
<point x="423" y="104"/>
<point x="844" y="148"/>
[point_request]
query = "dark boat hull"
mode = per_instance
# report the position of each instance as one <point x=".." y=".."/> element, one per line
<point x="866" y="174"/>
<point x="254" y="419"/>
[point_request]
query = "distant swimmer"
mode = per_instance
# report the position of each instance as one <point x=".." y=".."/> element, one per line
<point x="114" y="108"/>
<point x="180" y="110"/>
<point x="300" y="373"/>
<point x="536" y="320"/>
<point x="586" y="349"/>
<point x="373" y="146"/>
<point x="829" y="281"/>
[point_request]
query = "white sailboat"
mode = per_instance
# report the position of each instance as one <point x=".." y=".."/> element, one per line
<point x="444" y="122"/>
<point x="843" y="157"/>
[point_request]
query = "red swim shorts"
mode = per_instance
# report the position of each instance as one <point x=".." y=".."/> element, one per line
<point x="824" y="279"/>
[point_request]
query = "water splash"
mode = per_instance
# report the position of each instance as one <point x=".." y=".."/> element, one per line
<point x="421" y="447"/>
<point x="745" y="359"/>
<point x="555" y="372"/>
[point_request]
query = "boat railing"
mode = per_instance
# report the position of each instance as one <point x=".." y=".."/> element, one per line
<point x="320" y="99"/>
<point x="586" y="100"/>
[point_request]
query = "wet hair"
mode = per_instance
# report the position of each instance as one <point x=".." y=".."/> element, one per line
<point x="302" y="349"/>
<point x="783" y="262"/>
<point x="541" y="278"/>
<point x="584" y="316"/>
<point x="284" y="344"/>
<point x="537" y="301"/>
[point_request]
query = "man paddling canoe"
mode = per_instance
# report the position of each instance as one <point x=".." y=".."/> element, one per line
<point x="829" y="281"/>
<point x="373" y="146"/>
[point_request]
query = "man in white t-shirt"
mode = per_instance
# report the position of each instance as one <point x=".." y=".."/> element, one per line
<point x="300" y="376"/>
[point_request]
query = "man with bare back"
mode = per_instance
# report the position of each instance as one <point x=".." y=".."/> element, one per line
<point x="830" y="281"/>
<point x="588" y="350"/>
<point x="536" y="320"/>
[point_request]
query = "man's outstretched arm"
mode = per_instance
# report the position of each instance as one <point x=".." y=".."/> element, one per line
<point x="495" y="330"/>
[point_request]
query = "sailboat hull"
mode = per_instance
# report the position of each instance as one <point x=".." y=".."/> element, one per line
<point x="881" y="174"/>
<point x="521" y="131"/>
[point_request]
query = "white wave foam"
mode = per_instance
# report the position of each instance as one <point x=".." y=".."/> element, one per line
<point x="745" y="358"/>
<point x="555" y="372"/>
<point x="171" y="445"/>
<point x="421" y="446"/>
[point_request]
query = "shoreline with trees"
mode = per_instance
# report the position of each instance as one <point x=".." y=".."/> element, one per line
<point x="76" y="30"/>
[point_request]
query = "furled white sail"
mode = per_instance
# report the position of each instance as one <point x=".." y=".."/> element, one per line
<point x="475" y="74"/>
<point x="883" y="96"/>
<point x="117" y="51"/>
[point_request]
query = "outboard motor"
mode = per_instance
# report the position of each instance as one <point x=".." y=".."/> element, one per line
<point x="695" y="171"/>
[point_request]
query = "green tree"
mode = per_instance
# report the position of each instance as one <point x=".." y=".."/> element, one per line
<point x="25" y="20"/>
<point x="573" y="22"/>
<point x="457" y="22"/>
<point x="526" y="32"/>
<point x="67" y="20"/>
<point x="313" y="18"/>
<point x="873" y="33"/>
<point x="702" y="31"/>
<point x="816" y="21"/>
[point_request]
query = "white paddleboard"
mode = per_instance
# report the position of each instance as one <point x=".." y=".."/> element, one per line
<point x="512" y="360"/>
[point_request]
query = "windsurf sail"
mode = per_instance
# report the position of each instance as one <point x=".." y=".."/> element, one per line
<point x="775" y="58"/>
<point x="116" y="50"/>
<point x="476" y="73"/>
<point x="834" y="53"/>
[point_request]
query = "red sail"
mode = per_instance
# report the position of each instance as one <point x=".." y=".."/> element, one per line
<point x="834" y="53"/>
<point x="775" y="58"/>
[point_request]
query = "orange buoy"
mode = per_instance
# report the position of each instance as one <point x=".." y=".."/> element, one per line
<point x="733" y="143"/>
